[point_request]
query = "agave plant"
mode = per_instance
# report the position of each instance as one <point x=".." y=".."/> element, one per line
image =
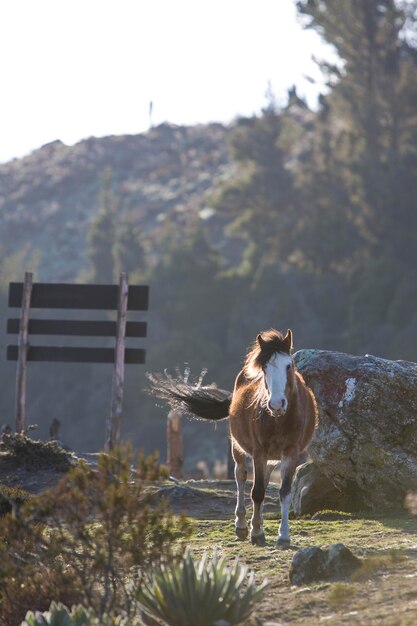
<point x="185" y="593"/>
<point x="60" y="615"/>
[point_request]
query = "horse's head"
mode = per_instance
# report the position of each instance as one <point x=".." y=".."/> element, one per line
<point x="278" y="370"/>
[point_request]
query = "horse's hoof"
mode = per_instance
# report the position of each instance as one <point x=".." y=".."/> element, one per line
<point x="283" y="543"/>
<point x="242" y="533"/>
<point x="258" y="540"/>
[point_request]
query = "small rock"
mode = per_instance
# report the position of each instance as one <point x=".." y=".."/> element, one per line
<point x="333" y="563"/>
<point x="307" y="565"/>
<point x="340" y="562"/>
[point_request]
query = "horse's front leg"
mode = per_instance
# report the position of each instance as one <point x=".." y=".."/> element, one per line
<point x="258" y="494"/>
<point x="288" y="467"/>
<point x="241" y="525"/>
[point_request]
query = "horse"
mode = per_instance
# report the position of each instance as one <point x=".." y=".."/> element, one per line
<point x="272" y="417"/>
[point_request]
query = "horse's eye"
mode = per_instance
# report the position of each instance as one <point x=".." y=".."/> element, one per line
<point x="288" y="367"/>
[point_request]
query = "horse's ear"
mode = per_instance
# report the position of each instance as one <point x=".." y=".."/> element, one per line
<point x="260" y="341"/>
<point x="288" y="341"/>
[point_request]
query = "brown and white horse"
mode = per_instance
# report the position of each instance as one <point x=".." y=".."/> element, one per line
<point x="272" y="416"/>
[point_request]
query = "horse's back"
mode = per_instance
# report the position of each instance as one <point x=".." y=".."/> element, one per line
<point x="307" y="406"/>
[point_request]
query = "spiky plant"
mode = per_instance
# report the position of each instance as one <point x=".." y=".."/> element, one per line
<point x="60" y="615"/>
<point x="188" y="593"/>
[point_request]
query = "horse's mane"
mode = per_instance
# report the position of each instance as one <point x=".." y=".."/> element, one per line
<point x="271" y="341"/>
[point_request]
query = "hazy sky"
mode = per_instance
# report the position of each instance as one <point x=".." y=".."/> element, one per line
<point x="70" y="69"/>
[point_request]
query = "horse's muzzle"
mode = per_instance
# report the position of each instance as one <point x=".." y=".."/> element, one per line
<point x="279" y="409"/>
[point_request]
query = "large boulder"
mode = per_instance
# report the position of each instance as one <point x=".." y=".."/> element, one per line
<point x="366" y="442"/>
<point x="312" y="491"/>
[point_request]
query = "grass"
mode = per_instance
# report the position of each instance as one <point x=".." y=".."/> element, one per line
<point x="384" y="591"/>
<point x="340" y="594"/>
<point x="379" y="563"/>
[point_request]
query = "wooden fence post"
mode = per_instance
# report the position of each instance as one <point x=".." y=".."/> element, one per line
<point x="175" y="457"/>
<point x="115" y="417"/>
<point x="22" y="355"/>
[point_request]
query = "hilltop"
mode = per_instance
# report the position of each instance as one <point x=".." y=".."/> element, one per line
<point x="49" y="198"/>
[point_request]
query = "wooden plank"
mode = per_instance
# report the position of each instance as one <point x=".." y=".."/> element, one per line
<point x="138" y="298"/>
<point x="65" y="354"/>
<point x="79" y="328"/>
<point x="116" y="408"/>
<point x="69" y="296"/>
<point x="22" y="353"/>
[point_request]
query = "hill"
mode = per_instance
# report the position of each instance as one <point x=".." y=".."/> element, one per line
<point x="49" y="198"/>
<point x="48" y="202"/>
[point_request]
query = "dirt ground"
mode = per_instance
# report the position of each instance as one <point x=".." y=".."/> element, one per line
<point x="383" y="592"/>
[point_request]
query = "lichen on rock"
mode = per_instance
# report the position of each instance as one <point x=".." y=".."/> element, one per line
<point x="366" y="442"/>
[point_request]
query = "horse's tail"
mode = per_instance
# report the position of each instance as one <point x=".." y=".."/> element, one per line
<point x="207" y="402"/>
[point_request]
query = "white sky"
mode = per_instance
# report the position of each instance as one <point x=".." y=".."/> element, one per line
<point x="70" y="69"/>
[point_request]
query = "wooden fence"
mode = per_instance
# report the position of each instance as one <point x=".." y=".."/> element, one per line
<point x="121" y="298"/>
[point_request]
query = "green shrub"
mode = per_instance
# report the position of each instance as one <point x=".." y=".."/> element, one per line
<point x="89" y="540"/>
<point x="184" y="593"/>
<point x="11" y="498"/>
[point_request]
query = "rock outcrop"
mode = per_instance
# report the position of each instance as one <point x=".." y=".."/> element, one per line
<point x="366" y="442"/>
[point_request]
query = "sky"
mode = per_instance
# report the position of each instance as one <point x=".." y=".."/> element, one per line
<point x="72" y="69"/>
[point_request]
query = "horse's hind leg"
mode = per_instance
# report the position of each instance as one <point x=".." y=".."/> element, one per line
<point x="241" y="475"/>
<point x="288" y="466"/>
<point x="269" y="469"/>
<point x="258" y="494"/>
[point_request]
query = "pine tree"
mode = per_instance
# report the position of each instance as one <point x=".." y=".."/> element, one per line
<point x="371" y="113"/>
<point x="373" y="131"/>
<point x="129" y="253"/>
<point x="102" y="233"/>
<point x="261" y="203"/>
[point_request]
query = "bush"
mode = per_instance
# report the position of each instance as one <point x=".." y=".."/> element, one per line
<point x="88" y="540"/>
<point x="11" y="498"/>
<point x="35" y="455"/>
<point x="184" y="593"/>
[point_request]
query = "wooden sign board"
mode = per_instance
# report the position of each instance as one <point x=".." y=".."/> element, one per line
<point x="121" y="298"/>
<point x="68" y="296"/>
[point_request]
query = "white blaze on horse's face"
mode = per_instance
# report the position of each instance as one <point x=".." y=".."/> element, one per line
<point x="276" y="377"/>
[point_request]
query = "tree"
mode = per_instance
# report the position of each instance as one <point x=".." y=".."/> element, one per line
<point x="102" y="233"/>
<point x="371" y="113"/>
<point x="261" y="204"/>
<point x="372" y="120"/>
<point x="128" y="250"/>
